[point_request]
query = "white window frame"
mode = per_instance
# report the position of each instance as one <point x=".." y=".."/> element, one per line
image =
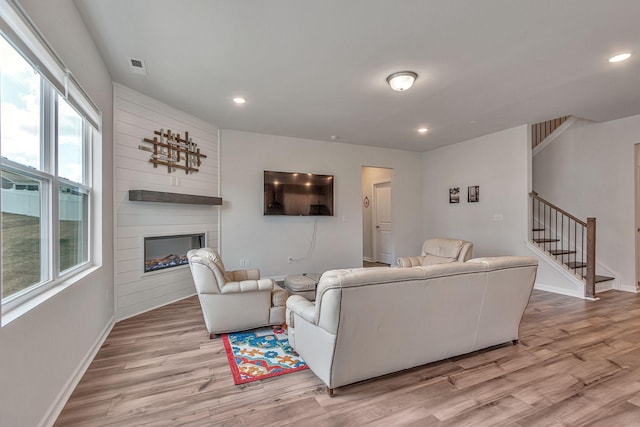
<point x="18" y="29"/>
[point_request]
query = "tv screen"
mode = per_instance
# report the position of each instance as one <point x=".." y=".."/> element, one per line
<point x="298" y="194"/>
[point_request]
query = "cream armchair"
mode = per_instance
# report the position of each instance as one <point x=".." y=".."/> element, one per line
<point x="439" y="251"/>
<point x="234" y="300"/>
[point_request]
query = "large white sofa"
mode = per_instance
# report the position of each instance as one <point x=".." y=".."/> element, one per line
<point x="369" y="322"/>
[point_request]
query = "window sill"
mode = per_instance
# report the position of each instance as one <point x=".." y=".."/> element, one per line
<point x="16" y="312"/>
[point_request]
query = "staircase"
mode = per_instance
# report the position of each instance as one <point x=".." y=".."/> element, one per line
<point x="567" y="239"/>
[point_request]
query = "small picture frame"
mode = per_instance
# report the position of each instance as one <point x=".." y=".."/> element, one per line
<point x="454" y="195"/>
<point x="474" y="194"/>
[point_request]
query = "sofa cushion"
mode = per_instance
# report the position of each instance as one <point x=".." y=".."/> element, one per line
<point x="434" y="259"/>
<point x="448" y="248"/>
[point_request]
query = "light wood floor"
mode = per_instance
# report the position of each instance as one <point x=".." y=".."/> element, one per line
<point x="578" y="363"/>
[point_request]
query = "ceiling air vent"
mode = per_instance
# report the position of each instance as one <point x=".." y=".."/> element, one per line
<point x="137" y="66"/>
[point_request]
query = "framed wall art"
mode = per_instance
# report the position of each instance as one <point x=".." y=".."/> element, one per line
<point x="454" y="195"/>
<point x="474" y="194"/>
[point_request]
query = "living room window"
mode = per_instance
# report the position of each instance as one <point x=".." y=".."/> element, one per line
<point x="45" y="152"/>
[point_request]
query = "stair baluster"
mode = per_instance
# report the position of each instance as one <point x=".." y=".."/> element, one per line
<point x="565" y="242"/>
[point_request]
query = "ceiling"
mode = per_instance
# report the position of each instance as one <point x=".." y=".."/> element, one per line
<point x="316" y="69"/>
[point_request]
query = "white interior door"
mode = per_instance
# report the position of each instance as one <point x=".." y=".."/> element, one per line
<point x="382" y="222"/>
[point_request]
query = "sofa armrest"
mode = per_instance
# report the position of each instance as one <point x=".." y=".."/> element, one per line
<point x="278" y="296"/>
<point x="466" y="252"/>
<point x="302" y="307"/>
<point x="248" y="286"/>
<point x="240" y="275"/>
<point x="410" y="261"/>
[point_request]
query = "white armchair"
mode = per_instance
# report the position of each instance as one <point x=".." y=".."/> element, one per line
<point x="439" y="251"/>
<point x="234" y="300"/>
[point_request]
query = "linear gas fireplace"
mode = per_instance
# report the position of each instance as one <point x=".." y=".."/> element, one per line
<point x="161" y="252"/>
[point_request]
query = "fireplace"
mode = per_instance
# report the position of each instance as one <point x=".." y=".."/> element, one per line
<point x="162" y="252"/>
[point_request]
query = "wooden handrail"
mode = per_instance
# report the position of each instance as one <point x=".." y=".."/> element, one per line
<point x="562" y="211"/>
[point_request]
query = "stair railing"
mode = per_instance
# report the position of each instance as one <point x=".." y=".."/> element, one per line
<point x="539" y="131"/>
<point x="565" y="236"/>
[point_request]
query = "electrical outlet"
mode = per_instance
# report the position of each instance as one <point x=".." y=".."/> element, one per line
<point x="247" y="263"/>
<point x="289" y="260"/>
<point x="241" y="263"/>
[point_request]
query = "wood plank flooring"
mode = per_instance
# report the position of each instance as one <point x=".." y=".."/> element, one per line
<point x="577" y="364"/>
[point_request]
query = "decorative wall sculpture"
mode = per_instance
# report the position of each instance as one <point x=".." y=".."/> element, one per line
<point x="174" y="152"/>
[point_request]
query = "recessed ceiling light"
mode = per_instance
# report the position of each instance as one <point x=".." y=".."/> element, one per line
<point x="333" y="137"/>
<point x="423" y="130"/>
<point x="402" y="80"/>
<point x="620" y="57"/>
<point x="239" y="100"/>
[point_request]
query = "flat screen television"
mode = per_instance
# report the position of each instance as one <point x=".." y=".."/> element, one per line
<point x="298" y="194"/>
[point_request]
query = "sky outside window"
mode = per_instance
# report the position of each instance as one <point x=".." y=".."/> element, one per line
<point x="20" y="108"/>
<point x="70" y="147"/>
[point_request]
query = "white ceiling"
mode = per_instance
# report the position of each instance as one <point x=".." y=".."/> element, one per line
<point x="313" y="69"/>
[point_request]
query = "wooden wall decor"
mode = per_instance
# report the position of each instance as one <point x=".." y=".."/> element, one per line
<point x="174" y="152"/>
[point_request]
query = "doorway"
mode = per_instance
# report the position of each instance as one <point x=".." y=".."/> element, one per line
<point x="377" y="227"/>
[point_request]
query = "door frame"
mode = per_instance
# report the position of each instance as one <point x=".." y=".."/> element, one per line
<point x="636" y="168"/>
<point x="374" y="217"/>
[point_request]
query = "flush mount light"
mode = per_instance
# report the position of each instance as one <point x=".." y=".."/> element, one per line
<point x="402" y="80"/>
<point x="239" y="100"/>
<point x="620" y="57"/>
<point x="423" y="130"/>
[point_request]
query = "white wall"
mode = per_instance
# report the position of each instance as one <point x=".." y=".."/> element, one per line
<point x="136" y="116"/>
<point x="369" y="176"/>
<point x="498" y="163"/>
<point x="43" y="352"/>
<point x="589" y="171"/>
<point x="268" y="241"/>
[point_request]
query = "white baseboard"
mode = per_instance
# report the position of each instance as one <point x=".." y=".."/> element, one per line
<point x="561" y="291"/>
<point x="628" y="288"/>
<point x="58" y="405"/>
<point x="367" y="258"/>
<point x="162" y="304"/>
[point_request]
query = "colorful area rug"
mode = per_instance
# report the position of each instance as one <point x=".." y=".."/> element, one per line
<point x="260" y="353"/>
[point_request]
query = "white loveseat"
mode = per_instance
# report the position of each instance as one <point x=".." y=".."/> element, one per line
<point x="370" y="322"/>
<point x="439" y="251"/>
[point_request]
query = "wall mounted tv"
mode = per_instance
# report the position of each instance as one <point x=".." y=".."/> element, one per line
<point x="298" y="194"/>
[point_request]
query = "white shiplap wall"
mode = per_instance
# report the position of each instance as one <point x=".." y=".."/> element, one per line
<point x="136" y="116"/>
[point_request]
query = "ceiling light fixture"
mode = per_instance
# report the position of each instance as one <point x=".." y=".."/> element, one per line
<point x="239" y="100"/>
<point x="620" y="57"/>
<point x="402" y="80"/>
<point x="423" y="130"/>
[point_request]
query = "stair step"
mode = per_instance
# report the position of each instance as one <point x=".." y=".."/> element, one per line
<point x="561" y="252"/>
<point x="546" y="240"/>
<point x="574" y="264"/>
<point x="537" y="229"/>
<point x="602" y="278"/>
